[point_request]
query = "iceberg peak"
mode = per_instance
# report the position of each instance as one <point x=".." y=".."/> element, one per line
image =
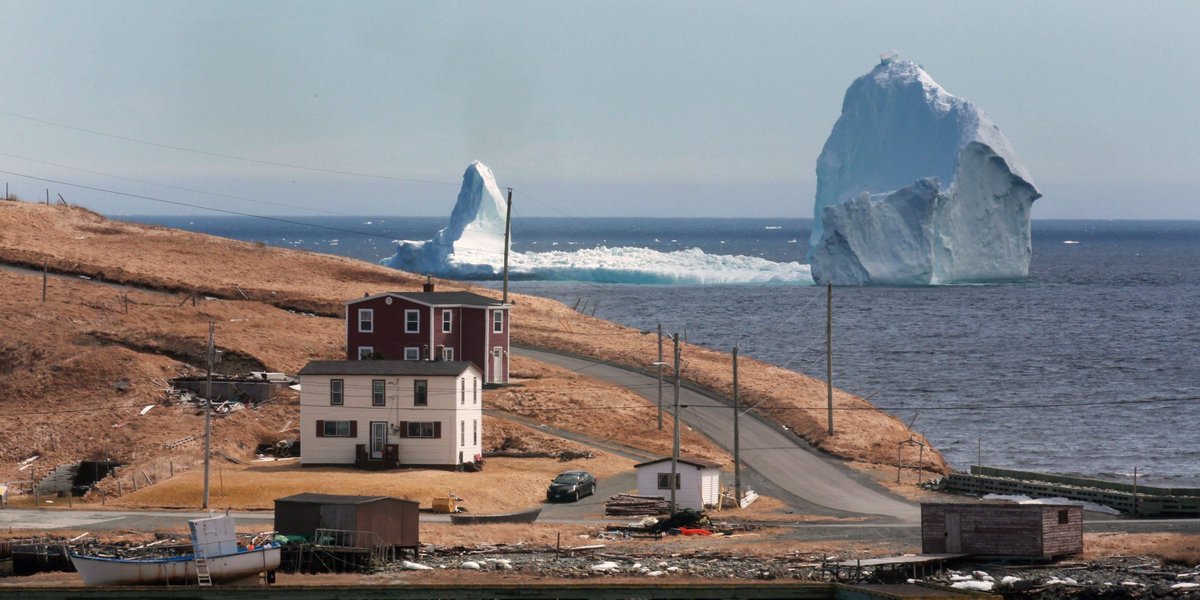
<point x="874" y="219"/>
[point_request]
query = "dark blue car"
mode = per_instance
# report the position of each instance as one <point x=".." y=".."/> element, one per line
<point x="571" y="486"/>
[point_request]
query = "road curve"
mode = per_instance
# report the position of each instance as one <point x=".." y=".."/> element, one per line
<point x="776" y="456"/>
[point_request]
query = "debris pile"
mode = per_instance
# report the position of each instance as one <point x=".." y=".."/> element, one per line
<point x="630" y="505"/>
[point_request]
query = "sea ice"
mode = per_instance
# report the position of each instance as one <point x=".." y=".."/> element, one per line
<point x="917" y="186"/>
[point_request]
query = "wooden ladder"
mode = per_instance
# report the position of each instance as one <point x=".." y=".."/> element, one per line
<point x="203" y="577"/>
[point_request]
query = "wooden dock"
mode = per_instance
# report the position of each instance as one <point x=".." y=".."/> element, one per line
<point x="915" y="566"/>
<point x="1138" y="500"/>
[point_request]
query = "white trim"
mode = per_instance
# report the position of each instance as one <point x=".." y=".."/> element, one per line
<point x="369" y="351"/>
<point x="417" y="322"/>
<point x="416" y="350"/>
<point x="497" y="313"/>
<point x="498" y="304"/>
<point x="370" y="314"/>
<point x="447" y="354"/>
<point x="447" y="324"/>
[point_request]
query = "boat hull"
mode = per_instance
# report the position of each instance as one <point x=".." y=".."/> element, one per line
<point x="176" y="570"/>
<point x="528" y="516"/>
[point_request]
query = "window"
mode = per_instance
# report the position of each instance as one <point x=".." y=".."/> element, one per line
<point x="497" y="321"/>
<point x="664" y="481"/>
<point x="366" y="352"/>
<point x="366" y="320"/>
<point x="474" y="391"/>
<point x="412" y="321"/>
<point x="336" y="396"/>
<point x="1064" y="517"/>
<point x="421" y="392"/>
<point x="378" y="392"/>
<point x="337" y="429"/>
<point x="462" y="391"/>
<point x="462" y="433"/>
<point x="447" y="353"/>
<point x="447" y="320"/>
<point x="423" y="429"/>
<point x="475" y="431"/>
<point x="412" y="353"/>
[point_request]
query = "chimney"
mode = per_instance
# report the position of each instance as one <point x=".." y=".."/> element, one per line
<point x="428" y="286"/>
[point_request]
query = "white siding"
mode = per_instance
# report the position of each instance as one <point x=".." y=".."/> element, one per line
<point x="443" y="407"/>
<point x="689" y="494"/>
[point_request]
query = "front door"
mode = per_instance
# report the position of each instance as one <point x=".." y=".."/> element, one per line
<point x="378" y="439"/>
<point x="953" y="533"/>
<point x="497" y="365"/>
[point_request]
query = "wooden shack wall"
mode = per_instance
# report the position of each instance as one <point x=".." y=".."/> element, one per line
<point x="986" y="529"/>
<point x="1060" y="539"/>
<point x="297" y="518"/>
<point x="394" y="521"/>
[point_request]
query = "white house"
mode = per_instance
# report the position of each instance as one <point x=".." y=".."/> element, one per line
<point x="382" y="414"/>
<point x="697" y="481"/>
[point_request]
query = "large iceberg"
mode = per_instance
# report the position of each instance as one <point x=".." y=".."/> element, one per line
<point x="916" y="186"/>
<point x="471" y="246"/>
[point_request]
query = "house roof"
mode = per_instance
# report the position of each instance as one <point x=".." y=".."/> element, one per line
<point x="385" y="367"/>
<point x="439" y="298"/>
<point x="314" y="498"/>
<point x="699" y="463"/>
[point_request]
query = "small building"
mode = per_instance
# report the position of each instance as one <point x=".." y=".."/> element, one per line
<point x="697" y="481"/>
<point x="372" y="520"/>
<point x="1026" y="531"/>
<point x="385" y="414"/>
<point x="431" y="326"/>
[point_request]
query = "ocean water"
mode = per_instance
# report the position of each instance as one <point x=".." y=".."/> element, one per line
<point x="1091" y="366"/>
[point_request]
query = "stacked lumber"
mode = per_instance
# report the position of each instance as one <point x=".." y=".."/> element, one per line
<point x="628" y="505"/>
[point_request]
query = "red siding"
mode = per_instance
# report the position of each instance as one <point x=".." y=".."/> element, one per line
<point x="471" y="334"/>
<point x="1030" y="531"/>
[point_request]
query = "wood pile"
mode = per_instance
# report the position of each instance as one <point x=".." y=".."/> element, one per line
<point x="629" y="505"/>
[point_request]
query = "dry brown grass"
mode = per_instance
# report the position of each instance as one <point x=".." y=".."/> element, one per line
<point x="1176" y="548"/>
<point x="506" y="484"/>
<point x="65" y="367"/>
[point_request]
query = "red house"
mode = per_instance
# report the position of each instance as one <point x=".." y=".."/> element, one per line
<point x="431" y="325"/>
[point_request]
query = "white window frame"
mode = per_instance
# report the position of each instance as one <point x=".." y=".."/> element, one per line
<point x="462" y="434"/>
<point x="379" y="396"/>
<point x="366" y="316"/>
<point x="423" y="385"/>
<point x="412" y="320"/>
<point x="412" y="353"/>
<point x="367" y="351"/>
<point x="337" y="397"/>
<point x="447" y="320"/>
<point x="448" y="354"/>
<point x="497" y="321"/>
<point x="474" y="431"/>
<point x="474" y="391"/>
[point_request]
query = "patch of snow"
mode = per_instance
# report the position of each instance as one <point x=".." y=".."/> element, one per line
<point x="979" y="586"/>
<point x="471" y="565"/>
<point x="408" y="565"/>
<point x="607" y="566"/>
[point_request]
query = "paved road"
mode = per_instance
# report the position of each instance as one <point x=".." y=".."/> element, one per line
<point x="778" y="458"/>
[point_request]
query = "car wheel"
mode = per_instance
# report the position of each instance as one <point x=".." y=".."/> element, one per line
<point x="577" y="495"/>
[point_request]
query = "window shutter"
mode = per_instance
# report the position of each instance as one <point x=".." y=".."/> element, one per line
<point x="353" y="429"/>
<point x="403" y="429"/>
<point x="437" y="429"/>
<point x="320" y="428"/>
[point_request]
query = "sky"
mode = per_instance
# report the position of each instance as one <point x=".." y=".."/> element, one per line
<point x="587" y="109"/>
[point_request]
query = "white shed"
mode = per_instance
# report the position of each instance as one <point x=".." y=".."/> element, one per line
<point x="697" y="483"/>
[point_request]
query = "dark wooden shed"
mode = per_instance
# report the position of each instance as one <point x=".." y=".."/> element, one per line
<point x="365" y="521"/>
<point x="1029" y="531"/>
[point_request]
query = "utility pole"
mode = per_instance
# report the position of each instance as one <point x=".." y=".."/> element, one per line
<point x="675" y="446"/>
<point x="507" y="236"/>
<point x="829" y="350"/>
<point x="208" y="413"/>
<point x="660" y="376"/>
<point x="45" y="277"/>
<point x="737" y="462"/>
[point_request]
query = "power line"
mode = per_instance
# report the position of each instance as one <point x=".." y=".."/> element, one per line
<point x="225" y="156"/>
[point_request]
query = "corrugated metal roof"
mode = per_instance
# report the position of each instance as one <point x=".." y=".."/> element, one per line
<point x="314" y="498"/>
<point x="695" y="462"/>
<point x="385" y="367"/>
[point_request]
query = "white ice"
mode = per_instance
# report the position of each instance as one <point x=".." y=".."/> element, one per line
<point x="917" y="186"/>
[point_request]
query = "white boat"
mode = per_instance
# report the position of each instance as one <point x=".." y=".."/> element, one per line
<point x="213" y="540"/>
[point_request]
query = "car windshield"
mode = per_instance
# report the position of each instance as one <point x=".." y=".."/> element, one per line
<point x="568" y="478"/>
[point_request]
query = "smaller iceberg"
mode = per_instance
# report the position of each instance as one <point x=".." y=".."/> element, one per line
<point x="471" y="246"/>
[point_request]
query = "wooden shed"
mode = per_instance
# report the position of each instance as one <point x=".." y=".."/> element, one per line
<point x="364" y="521"/>
<point x="1028" y="531"/>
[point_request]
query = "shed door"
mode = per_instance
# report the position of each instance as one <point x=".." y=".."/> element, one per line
<point x="497" y="364"/>
<point x="953" y="533"/>
<point x="378" y="438"/>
